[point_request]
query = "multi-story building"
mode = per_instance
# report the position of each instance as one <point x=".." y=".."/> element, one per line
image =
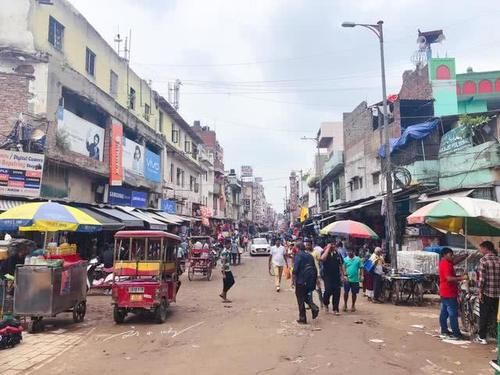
<point x="109" y="136"/>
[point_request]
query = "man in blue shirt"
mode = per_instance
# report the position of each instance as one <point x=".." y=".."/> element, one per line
<point x="304" y="279"/>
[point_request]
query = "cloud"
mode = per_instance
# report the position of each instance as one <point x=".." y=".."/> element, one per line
<point x="264" y="73"/>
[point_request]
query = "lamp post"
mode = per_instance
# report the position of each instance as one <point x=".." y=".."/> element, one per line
<point x="318" y="166"/>
<point x="377" y="29"/>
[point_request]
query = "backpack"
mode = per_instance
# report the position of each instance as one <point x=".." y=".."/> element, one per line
<point x="310" y="275"/>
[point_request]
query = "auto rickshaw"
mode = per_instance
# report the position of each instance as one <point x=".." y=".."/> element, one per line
<point x="146" y="273"/>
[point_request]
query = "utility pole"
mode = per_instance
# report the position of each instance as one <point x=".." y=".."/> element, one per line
<point x="390" y="221"/>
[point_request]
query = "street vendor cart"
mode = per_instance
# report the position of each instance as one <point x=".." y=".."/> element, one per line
<point x="404" y="288"/>
<point x="47" y="290"/>
<point x="146" y="271"/>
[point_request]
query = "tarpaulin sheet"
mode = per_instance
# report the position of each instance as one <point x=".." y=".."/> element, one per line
<point x="413" y="132"/>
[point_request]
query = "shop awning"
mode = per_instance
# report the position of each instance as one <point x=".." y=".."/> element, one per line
<point x="358" y="206"/>
<point x="149" y="220"/>
<point x="424" y="198"/>
<point x="7" y="204"/>
<point x="108" y="223"/>
<point x="170" y="218"/>
<point x="128" y="220"/>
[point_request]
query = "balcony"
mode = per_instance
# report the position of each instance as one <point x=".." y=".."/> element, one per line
<point x="334" y="163"/>
<point x="218" y="166"/>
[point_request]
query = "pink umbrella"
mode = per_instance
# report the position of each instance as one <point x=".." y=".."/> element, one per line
<point x="349" y="228"/>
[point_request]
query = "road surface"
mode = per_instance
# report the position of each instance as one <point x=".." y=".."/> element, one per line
<point x="256" y="334"/>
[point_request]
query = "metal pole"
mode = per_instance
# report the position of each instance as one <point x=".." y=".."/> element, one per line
<point x="320" y="174"/>
<point x="389" y="217"/>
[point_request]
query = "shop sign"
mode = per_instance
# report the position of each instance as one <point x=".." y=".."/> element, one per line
<point x="20" y="173"/>
<point x="83" y="137"/>
<point x="152" y="167"/>
<point x="455" y="139"/>
<point x="116" y="155"/>
<point x="122" y="196"/>
<point x="169" y="206"/>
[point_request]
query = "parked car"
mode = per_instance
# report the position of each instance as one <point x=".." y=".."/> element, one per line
<point x="260" y="246"/>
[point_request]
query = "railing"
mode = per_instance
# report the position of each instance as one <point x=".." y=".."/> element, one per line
<point x="336" y="158"/>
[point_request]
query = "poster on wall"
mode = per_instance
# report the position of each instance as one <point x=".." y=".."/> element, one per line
<point x="168" y="206"/>
<point x="115" y="155"/>
<point x="133" y="157"/>
<point x="152" y="166"/>
<point x="83" y="136"/>
<point x="20" y="173"/>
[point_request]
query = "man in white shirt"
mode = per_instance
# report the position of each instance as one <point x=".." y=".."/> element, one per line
<point x="277" y="260"/>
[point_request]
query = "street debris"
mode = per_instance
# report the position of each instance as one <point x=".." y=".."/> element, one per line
<point x="419" y="326"/>
<point x="377" y="341"/>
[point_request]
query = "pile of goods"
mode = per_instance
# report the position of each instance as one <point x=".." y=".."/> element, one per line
<point x="420" y="261"/>
<point x="10" y="333"/>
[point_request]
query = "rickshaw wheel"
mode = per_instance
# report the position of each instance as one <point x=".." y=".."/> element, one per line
<point x="396" y="292"/>
<point x="190" y="273"/>
<point x="209" y="273"/>
<point x="119" y="315"/>
<point x="161" y="312"/>
<point x="79" y="311"/>
<point x="419" y="294"/>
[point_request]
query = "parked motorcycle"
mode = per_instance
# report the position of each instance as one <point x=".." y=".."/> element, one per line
<point x="99" y="277"/>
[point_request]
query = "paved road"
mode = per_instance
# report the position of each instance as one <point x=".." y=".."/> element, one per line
<point x="257" y="334"/>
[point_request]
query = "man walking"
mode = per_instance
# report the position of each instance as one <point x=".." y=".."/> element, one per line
<point x="227" y="275"/>
<point x="235" y="252"/>
<point x="489" y="288"/>
<point x="277" y="260"/>
<point x="448" y="291"/>
<point x="304" y="278"/>
<point x="353" y="274"/>
<point x="377" y="260"/>
<point x="333" y="274"/>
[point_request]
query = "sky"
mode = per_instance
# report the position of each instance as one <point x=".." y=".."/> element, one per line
<point x="264" y="73"/>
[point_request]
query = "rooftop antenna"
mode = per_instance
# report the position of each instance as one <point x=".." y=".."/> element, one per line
<point x="174" y="93"/>
<point x="118" y="40"/>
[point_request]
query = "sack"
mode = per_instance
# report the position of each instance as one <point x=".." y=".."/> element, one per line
<point x="369" y="266"/>
<point x="310" y="276"/>
<point x="286" y="273"/>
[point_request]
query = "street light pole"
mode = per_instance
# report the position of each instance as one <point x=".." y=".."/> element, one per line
<point x="389" y="216"/>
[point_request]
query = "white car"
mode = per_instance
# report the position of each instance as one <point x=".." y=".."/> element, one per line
<point x="260" y="246"/>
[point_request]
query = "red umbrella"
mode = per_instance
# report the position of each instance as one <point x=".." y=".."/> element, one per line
<point x="349" y="228"/>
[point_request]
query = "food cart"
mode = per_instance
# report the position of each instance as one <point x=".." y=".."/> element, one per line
<point x="47" y="290"/>
<point x="404" y="287"/>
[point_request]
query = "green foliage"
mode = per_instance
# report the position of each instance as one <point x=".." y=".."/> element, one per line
<point x="473" y="120"/>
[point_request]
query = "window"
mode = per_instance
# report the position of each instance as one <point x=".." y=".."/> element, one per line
<point x="175" y="136"/>
<point x="192" y="182"/>
<point x="356" y="183"/>
<point x="172" y="173"/>
<point x="376" y="178"/>
<point x="160" y="122"/>
<point x="90" y="62"/>
<point x="361" y="182"/>
<point x="56" y="33"/>
<point x="147" y="111"/>
<point x="131" y="99"/>
<point x="178" y="179"/>
<point x="194" y="151"/>
<point x="187" y="147"/>
<point x="113" y="84"/>
<point x="182" y="179"/>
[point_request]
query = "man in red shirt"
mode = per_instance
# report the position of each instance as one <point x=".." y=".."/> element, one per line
<point x="448" y="291"/>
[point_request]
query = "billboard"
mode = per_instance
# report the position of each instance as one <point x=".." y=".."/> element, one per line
<point x="168" y="205"/>
<point x="122" y="196"/>
<point x="152" y="166"/>
<point x="20" y="173"/>
<point x="246" y="171"/>
<point x="133" y="157"/>
<point x="83" y="136"/>
<point x="116" y="155"/>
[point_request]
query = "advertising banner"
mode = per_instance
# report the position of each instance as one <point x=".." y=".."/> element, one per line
<point x="83" y="136"/>
<point x="246" y="171"/>
<point x="20" y="173"/>
<point x="168" y="205"/>
<point x="116" y="155"/>
<point x="133" y="157"/>
<point x="122" y="196"/>
<point x="152" y="167"/>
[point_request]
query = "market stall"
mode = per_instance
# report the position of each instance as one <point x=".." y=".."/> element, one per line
<point x="51" y="279"/>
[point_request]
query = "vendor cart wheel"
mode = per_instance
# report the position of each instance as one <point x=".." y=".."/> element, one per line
<point x="119" y="315"/>
<point x="190" y="273"/>
<point x="396" y="292"/>
<point x="35" y="325"/>
<point x="79" y="311"/>
<point x="161" y="312"/>
<point x="209" y="274"/>
<point x="419" y="294"/>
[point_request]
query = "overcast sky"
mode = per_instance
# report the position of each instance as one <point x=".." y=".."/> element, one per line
<point x="264" y="73"/>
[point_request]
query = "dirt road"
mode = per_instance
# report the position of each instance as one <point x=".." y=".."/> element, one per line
<point x="257" y="334"/>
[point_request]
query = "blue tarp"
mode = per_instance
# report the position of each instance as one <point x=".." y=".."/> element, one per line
<point x="413" y="132"/>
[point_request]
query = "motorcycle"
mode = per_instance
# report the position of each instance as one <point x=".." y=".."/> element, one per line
<point x="99" y="277"/>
